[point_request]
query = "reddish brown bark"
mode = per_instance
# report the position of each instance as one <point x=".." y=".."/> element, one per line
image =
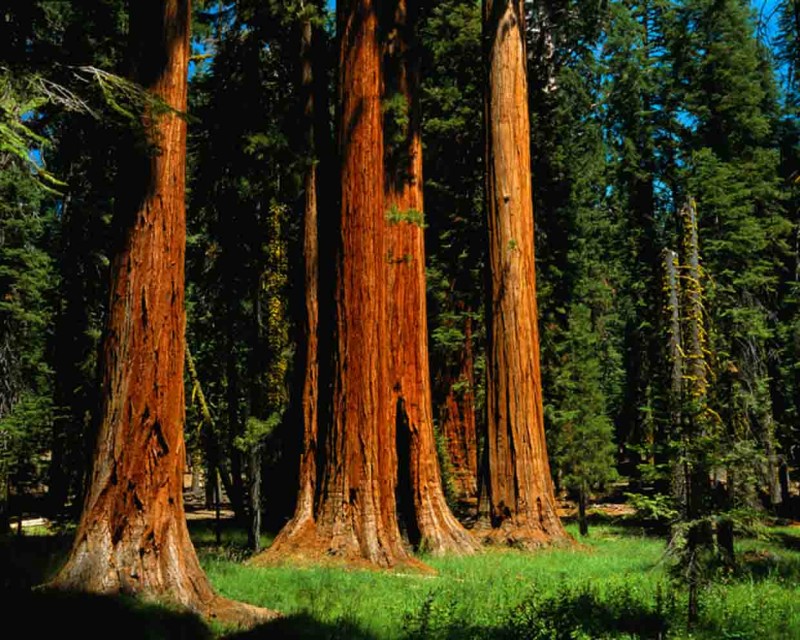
<point x="520" y="489"/>
<point x="434" y="528"/>
<point x="457" y="416"/>
<point x="132" y="537"/>
<point x="354" y="513"/>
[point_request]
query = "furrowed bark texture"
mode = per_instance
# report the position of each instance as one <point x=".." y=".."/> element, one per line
<point x="435" y="528"/>
<point x="132" y="537"/>
<point x="520" y="489"/>
<point x="457" y="416"/>
<point x="355" y="510"/>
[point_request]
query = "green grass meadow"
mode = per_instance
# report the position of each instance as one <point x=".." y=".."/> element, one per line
<point x="615" y="584"/>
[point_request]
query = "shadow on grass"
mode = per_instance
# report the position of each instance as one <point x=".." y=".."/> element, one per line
<point x="90" y="617"/>
<point x="305" y="627"/>
<point x="232" y="538"/>
<point x="578" y="611"/>
<point x="767" y="565"/>
<point x="790" y="541"/>
<point x="26" y="561"/>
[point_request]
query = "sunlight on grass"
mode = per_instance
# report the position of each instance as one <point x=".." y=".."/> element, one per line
<point x="613" y="585"/>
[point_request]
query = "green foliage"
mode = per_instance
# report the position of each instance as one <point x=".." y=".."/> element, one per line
<point x="584" y="450"/>
<point x="658" y="508"/>
<point x="411" y="216"/>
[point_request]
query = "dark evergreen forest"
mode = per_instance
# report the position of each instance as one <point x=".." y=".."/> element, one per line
<point x="373" y="368"/>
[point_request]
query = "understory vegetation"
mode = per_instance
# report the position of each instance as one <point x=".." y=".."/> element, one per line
<point x="615" y="584"/>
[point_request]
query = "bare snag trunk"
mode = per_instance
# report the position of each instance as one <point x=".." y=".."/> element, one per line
<point x="520" y="489"/>
<point x="435" y="528"/>
<point x="355" y="518"/>
<point x="132" y="537"/>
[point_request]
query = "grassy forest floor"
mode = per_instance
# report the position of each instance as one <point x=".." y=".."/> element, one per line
<point x="616" y="584"/>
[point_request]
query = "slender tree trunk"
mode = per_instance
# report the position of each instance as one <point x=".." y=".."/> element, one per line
<point x="132" y="537"/>
<point x="457" y="416"/>
<point x="254" y="530"/>
<point x="435" y="528"/>
<point x="234" y="488"/>
<point x="310" y="53"/>
<point x="520" y="489"/>
<point x="674" y="360"/>
<point x="355" y="508"/>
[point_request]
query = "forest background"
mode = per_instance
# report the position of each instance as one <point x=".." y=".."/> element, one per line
<point x="636" y="109"/>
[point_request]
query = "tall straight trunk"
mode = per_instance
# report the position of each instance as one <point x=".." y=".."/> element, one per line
<point x="132" y="537"/>
<point x="435" y="528"/>
<point x="355" y="508"/>
<point x="522" y="505"/>
<point x="457" y="416"/>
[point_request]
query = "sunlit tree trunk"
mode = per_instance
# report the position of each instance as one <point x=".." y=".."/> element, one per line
<point x="354" y="517"/>
<point x="522" y="507"/>
<point x="132" y="537"/>
<point x="431" y="524"/>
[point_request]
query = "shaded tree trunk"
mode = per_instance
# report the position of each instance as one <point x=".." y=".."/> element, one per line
<point x="435" y="529"/>
<point x="355" y="508"/>
<point x="132" y="537"/>
<point x="312" y="91"/>
<point x="520" y="489"/>
<point x="457" y="417"/>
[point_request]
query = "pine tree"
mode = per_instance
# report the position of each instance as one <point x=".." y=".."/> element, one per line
<point x="452" y="101"/>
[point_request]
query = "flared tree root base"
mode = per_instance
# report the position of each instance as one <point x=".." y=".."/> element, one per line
<point x="449" y="540"/>
<point x="520" y="536"/>
<point x="302" y="544"/>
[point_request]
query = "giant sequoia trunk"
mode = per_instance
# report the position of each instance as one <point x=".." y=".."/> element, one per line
<point x="521" y="500"/>
<point x="354" y="515"/>
<point x="304" y="509"/>
<point x="430" y="523"/>
<point x="132" y="537"/>
<point x="457" y="416"/>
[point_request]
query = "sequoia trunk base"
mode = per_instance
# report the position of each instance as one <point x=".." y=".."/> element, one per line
<point x="352" y="517"/>
<point x="303" y="542"/>
<point x="132" y="537"/>
<point x="431" y="525"/>
<point x="521" y="500"/>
